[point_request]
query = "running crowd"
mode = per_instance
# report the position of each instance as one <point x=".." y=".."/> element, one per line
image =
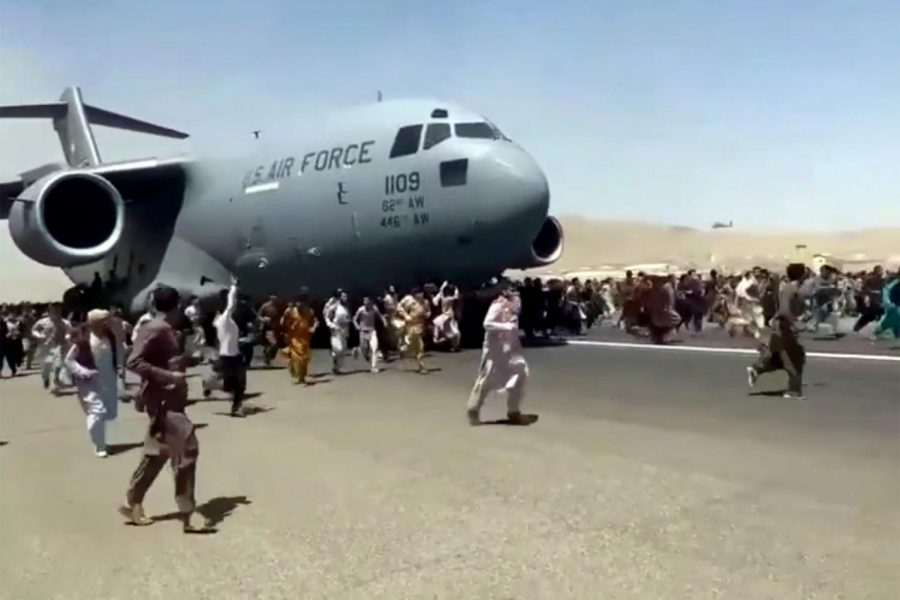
<point x="92" y="350"/>
<point x="96" y="345"/>
<point x="659" y="306"/>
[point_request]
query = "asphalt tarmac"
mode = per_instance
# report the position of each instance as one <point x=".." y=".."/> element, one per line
<point x="651" y="473"/>
<point x="713" y="336"/>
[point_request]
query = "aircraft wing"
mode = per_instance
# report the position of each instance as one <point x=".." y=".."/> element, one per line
<point x="8" y="192"/>
<point x="136" y="180"/>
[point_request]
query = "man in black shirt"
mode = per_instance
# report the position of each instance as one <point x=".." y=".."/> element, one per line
<point x="784" y="351"/>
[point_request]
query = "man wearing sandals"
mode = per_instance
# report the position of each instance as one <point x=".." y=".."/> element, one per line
<point x="171" y="436"/>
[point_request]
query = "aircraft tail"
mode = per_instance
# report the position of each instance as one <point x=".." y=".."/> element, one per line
<point x="72" y="120"/>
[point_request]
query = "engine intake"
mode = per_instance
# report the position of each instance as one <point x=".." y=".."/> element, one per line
<point x="67" y="218"/>
<point x="547" y="246"/>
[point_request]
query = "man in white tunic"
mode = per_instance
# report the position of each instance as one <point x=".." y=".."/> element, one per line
<point x="338" y="319"/>
<point x="503" y="366"/>
<point x="365" y="322"/>
<point x="446" y="327"/>
<point x="92" y="361"/>
<point x="747" y="294"/>
<point x="196" y="341"/>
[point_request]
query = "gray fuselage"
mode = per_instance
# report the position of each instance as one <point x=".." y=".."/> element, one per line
<point x="338" y="210"/>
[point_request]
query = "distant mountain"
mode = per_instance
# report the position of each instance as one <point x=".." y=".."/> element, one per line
<point x="592" y="243"/>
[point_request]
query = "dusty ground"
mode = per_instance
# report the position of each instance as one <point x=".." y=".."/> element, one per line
<point x="650" y="474"/>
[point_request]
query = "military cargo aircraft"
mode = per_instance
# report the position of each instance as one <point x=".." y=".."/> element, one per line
<point x="396" y="192"/>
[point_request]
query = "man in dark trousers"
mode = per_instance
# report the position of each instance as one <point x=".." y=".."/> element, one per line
<point x="784" y="351"/>
<point x="171" y="435"/>
<point x="869" y="302"/>
<point x="6" y="353"/>
<point x="231" y="362"/>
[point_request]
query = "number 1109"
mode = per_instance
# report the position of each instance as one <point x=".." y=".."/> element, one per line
<point x="402" y="183"/>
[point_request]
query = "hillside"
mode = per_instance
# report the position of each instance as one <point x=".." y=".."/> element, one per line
<point x="592" y="244"/>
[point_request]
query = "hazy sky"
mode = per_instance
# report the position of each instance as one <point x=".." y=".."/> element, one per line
<point x="682" y="112"/>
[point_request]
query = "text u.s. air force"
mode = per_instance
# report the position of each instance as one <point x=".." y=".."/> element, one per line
<point x="319" y="160"/>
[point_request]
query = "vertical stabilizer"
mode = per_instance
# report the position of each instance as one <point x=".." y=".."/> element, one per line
<point x="74" y="131"/>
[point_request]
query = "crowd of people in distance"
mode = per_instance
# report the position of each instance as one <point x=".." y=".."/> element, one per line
<point x="659" y="306"/>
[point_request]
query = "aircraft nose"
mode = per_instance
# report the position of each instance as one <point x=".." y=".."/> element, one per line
<point x="523" y="191"/>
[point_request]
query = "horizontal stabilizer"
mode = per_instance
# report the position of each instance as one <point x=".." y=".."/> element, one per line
<point x="34" y="111"/>
<point x="95" y="116"/>
<point x="98" y="116"/>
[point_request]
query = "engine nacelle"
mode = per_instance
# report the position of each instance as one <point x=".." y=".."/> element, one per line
<point x="67" y="218"/>
<point x="547" y="246"/>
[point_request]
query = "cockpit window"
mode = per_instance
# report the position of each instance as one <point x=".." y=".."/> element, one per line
<point x="407" y="141"/>
<point x="500" y="134"/>
<point x="436" y="133"/>
<point x="480" y="130"/>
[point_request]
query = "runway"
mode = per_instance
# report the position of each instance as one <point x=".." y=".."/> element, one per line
<point x="651" y="474"/>
<point x="822" y="344"/>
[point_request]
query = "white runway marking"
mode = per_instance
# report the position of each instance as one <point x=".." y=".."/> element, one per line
<point x="746" y="351"/>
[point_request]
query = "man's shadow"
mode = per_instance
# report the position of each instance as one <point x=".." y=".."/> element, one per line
<point x="114" y="449"/>
<point x="224" y="397"/>
<point x="22" y="374"/>
<point x="247" y="411"/>
<point x="355" y="371"/>
<point x="215" y="510"/>
<point x="319" y="374"/>
<point x="525" y="422"/>
<point x="417" y="371"/>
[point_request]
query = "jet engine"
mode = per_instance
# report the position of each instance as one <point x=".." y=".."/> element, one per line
<point x="67" y="218"/>
<point x="547" y="246"/>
